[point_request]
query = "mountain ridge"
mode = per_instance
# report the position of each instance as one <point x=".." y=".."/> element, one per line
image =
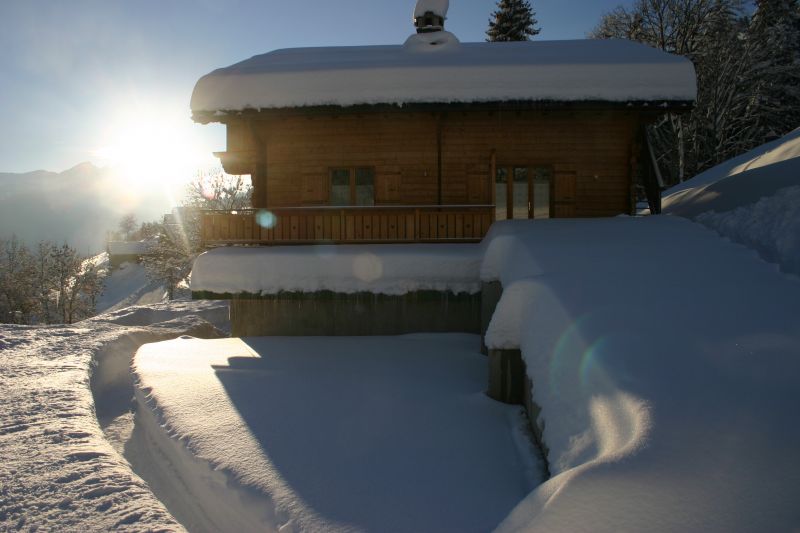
<point x="78" y="205"/>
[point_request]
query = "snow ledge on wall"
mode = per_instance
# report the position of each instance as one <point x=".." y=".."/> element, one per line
<point x="392" y="269"/>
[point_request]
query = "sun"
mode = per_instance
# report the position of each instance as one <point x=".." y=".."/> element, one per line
<point x="152" y="150"/>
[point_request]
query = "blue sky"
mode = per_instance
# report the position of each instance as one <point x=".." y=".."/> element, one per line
<point x="74" y="74"/>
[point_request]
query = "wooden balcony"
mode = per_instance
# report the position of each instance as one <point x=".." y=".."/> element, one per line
<point x="341" y="225"/>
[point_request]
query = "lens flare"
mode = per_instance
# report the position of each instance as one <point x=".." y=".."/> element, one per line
<point x="566" y="356"/>
<point x="265" y="219"/>
<point x="592" y="361"/>
<point x="368" y="267"/>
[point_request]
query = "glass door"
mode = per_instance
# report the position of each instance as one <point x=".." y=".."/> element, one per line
<point x="523" y="192"/>
<point x="541" y="185"/>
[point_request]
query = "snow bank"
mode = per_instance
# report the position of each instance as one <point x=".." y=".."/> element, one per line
<point x="215" y="312"/>
<point x="579" y="70"/>
<point x="58" y="472"/>
<point x="381" y="269"/>
<point x="770" y="226"/>
<point x="740" y="181"/>
<point x="665" y="361"/>
<point x="752" y="199"/>
<point x="337" y="434"/>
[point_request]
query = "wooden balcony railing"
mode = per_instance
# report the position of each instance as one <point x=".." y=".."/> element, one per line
<point x="378" y="224"/>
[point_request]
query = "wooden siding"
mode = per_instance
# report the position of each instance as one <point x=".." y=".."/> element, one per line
<point x="590" y="153"/>
<point x="348" y="225"/>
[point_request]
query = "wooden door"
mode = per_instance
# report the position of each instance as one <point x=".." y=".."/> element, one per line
<point x="564" y="194"/>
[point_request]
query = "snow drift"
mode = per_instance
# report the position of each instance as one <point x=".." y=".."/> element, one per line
<point x="665" y="362"/>
<point x="753" y="199"/>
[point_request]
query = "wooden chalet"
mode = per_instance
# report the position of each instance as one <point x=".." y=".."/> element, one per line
<point x="434" y="140"/>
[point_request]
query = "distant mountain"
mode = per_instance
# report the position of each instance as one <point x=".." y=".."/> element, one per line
<point x="78" y="205"/>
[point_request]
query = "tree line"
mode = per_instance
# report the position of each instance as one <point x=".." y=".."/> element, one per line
<point x="54" y="284"/>
<point x="48" y="284"/>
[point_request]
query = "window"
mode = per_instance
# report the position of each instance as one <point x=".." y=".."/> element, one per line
<point x="340" y="186"/>
<point x="352" y="186"/>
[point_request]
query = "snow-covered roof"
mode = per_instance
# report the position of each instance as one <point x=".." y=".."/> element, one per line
<point x="428" y="69"/>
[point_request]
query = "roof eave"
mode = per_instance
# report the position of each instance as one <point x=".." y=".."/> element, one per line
<point x="655" y="107"/>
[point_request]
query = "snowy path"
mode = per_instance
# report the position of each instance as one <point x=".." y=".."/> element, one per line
<point x="337" y="434"/>
<point x="57" y="470"/>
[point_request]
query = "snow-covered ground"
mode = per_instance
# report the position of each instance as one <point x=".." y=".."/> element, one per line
<point x="125" y="286"/>
<point x="665" y="360"/>
<point x="58" y="471"/>
<point x="753" y="199"/>
<point x="334" y="434"/>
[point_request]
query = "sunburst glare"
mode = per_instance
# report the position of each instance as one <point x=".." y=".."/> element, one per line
<point x="153" y="149"/>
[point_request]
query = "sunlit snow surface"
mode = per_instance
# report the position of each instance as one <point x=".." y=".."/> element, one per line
<point x="125" y="286"/>
<point x="613" y="70"/>
<point x="666" y="362"/>
<point x="339" y="434"/>
<point x="57" y="470"/>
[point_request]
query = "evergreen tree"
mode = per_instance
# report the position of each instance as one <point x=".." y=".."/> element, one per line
<point x="513" y="20"/>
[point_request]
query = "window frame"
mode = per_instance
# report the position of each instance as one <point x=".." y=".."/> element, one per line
<point x="352" y="196"/>
<point x="530" y="170"/>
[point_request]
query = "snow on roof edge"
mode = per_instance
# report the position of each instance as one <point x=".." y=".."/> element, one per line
<point x="578" y="70"/>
